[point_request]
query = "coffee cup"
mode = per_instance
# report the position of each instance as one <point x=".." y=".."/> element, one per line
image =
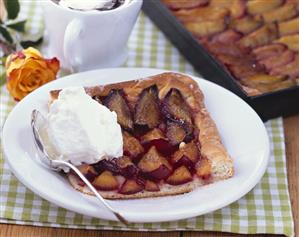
<point x="86" y="40"/>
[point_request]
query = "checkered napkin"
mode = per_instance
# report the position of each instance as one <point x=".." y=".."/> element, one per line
<point x="266" y="209"/>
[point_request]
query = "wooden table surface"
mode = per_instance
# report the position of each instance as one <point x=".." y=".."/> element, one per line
<point x="292" y="146"/>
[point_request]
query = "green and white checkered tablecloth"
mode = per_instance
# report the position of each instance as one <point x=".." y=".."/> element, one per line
<point x="266" y="209"/>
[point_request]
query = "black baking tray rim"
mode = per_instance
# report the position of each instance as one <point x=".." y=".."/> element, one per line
<point x="268" y="105"/>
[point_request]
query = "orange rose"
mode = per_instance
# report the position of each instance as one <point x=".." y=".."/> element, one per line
<point x="27" y="70"/>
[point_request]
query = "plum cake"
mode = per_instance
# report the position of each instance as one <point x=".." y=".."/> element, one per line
<point x="170" y="143"/>
<point x="257" y="41"/>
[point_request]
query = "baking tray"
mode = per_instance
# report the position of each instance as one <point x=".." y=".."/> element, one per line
<point x="269" y="105"/>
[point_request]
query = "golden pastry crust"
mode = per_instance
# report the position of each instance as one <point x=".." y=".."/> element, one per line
<point x="211" y="145"/>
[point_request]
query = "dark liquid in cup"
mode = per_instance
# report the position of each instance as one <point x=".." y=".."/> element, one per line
<point x="109" y="6"/>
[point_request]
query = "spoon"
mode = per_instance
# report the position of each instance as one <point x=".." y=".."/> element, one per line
<point x="37" y="120"/>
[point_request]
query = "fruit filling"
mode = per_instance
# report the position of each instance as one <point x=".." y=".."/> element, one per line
<point x="256" y="41"/>
<point x="159" y="142"/>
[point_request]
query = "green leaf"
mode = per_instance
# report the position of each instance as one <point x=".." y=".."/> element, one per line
<point x="2" y="79"/>
<point x="2" y="75"/>
<point x="31" y="43"/>
<point x="18" y="26"/>
<point x="6" y="35"/>
<point x="13" y="8"/>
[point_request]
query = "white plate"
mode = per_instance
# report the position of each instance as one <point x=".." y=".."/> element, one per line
<point x="242" y="132"/>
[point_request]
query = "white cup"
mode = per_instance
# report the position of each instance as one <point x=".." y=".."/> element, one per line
<point x="85" y="40"/>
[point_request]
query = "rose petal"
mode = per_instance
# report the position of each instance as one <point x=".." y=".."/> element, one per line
<point x="53" y="64"/>
<point x="32" y="52"/>
<point x="15" y="64"/>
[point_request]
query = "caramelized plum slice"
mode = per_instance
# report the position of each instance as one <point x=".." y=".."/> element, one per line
<point x="116" y="102"/>
<point x="261" y="6"/>
<point x="175" y="133"/>
<point x="291" y="69"/>
<point x="264" y="79"/>
<point x="131" y="145"/>
<point x="176" y="110"/>
<point x="147" y="111"/>
<point x="262" y="36"/>
<point x="283" y="13"/>
<point x="245" y="25"/>
<point x="124" y="162"/>
<point x="205" y="28"/>
<point x="278" y="60"/>
<point x="235" y="60"/>
<point x="88" y="171"/>
<point x="237" y="8"/>
<point x="151" y="186"/>
<point x="201" y="14"/>
<point x="268" y="51"/>
<point x="131" y="186"/>
<point x="292" y="41"/>
<point x="175" y="107"/>
<point x="285" y="83"/>
<point x="156" y="138"/>
<point x="109" y="165"/>
<point x="153" y="165"/>
<point x="152" y="160"/>
<point x="289" y="27"/>
<point x="175" y="4"/>
<point x="187" y="155"/>
<point x="105" y="182"/>
<point x="230" y="49"/>
<point x="180" y="176"/>
<point x="266" y="83"/>
<point x="241" y="67"/>
<point x="227" y="37"/>
<point x="160" y="173"/>
<point x="203" y="168"/>
<point x="128" y="168"/>
<point x="162" y="146"/>
<point x="245" y="70"/>
<point x="154" y="134"/>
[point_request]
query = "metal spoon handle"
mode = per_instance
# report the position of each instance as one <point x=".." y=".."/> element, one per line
<point x="36" y="120"/>
<point x="90" y="186"/>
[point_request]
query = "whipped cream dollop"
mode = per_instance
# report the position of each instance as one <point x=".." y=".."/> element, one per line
<point x="86" y="5"/>
<point x="81" y="130"/>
